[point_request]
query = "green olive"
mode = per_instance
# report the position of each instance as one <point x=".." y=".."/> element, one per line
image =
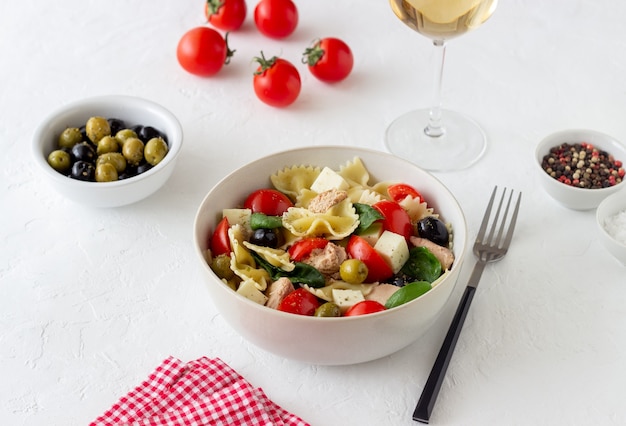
<point x="353" y="271"/>
<point x="60" y="160"/>
<point x="221" y="266"/>
<point x="155" y="150"/>
<point x="328" y="309"/>
<point x="70" y="137"/>
<point x="115" y="158"/>
<point x="133" y="151"/>
<point x="97" y="128"/>
<point x="125" y="134"/>
<point x="106" y="172"/>
<point x="107" y="144"/>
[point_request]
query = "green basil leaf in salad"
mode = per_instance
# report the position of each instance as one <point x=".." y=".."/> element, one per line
<point x="263" y="221"/>
<point x="422" y="265"/>
<point x="367" y="216"/>
<point x="301" y="274"/>
<point x="407" y="293"/>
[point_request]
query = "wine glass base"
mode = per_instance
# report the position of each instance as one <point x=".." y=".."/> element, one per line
<point x="462" y="144"/>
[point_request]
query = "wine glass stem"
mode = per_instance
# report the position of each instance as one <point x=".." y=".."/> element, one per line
<point x="435" y="128"/>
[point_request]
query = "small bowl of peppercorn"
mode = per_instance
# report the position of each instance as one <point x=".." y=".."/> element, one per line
<point x="580" y="168"/>
<point x="108" y="151"/>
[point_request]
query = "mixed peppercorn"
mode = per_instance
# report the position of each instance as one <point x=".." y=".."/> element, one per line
<point x="583" y="166"/>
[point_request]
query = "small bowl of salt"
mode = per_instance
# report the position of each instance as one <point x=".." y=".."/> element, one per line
<point x="611" y="219"/>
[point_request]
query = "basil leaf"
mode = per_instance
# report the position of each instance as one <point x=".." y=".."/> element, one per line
<point x="407" y="293"/>
<point x="301" y="274"/>
<point x="367" y="216"/>
<point x="263" y="221"/>
<point x="422" y="265"/>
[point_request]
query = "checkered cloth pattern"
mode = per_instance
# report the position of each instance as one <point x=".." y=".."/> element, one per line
<point x="199" y="393"/>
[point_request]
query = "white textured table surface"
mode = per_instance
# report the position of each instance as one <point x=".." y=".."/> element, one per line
<point x="92" y="300"/>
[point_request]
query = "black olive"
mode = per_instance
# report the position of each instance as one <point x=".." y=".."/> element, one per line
<point x="116" y="125"/>
<point x="82" y="170"/>
<point x="142" y="168"/>
<point x="434" y="230"/>
<point x="271" y="238"/>
<point x="83" y="132"/>
<point x="83" y="152"/>
<point x="400" y="280"/>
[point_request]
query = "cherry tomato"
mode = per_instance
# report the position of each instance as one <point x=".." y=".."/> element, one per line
<point x="395" y="218"/>
<point x="378" y="269"/>
<point x="303" y="248"/>
<point x="276" y="18"/>
<point x="364" y="307"/>
<point x="268" y="201"/>
<point x="399" y="191"/>
<point x="220" y="243"/>
<point x="227" y="15"/>
<point x="202" y="51"/>
<point x="299" y="302"/>
<point x="276" y="81"/>
<point x="330" y="59"/>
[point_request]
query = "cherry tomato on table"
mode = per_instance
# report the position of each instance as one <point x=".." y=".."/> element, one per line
<point x="203" y="51"/>
<point x="276" y="81"/>
<point x="399" y="191"/>
<point x="330" y="59"/>
<point x="220" y="243"/>
<point x="395" y="218"/>
<point x="276" y="18"/>
<point x="267" y="201"/>
<point x="364" y="307"/>
<point x="377" y="268"/>
<point x="227" y="15"/>
<point x="300" y="302"/>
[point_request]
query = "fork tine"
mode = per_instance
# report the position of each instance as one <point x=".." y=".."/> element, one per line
<point x="494" y="224"/>
<point x="496" y="242"/>
<point x="509" y="234"/>
<point x="483" y="226"/>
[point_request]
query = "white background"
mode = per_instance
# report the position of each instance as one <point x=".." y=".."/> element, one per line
<point x="92" y="300"/>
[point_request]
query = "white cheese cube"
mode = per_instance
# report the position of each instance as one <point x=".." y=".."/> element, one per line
<point x="248" y="289"/>
<point x="373" y="233"/>
<point x="238" y="217"/>
<point x="346" y="298"/>
<point x="394" y="249"/>
<point x="329" y="179"/>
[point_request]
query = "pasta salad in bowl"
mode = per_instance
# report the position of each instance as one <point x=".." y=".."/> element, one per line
<point x="349" y="252"/>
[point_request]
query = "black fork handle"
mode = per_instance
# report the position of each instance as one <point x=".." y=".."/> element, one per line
<point x="427" y="400"/>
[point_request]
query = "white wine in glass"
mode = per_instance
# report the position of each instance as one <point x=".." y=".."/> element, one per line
<point x="437" y="139"/>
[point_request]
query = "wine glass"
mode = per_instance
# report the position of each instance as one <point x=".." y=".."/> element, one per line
<point x="438" y="139"/>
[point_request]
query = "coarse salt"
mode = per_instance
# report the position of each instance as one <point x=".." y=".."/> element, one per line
<point x="616" y="226"/>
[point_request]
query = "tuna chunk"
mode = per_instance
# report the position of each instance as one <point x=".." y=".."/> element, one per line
<point x="382" y="292"/>
<point x="327" y="260"/>
<point x="443" y="254"/>
<point x="327" y="199"/>
<point x="277" y="291"/>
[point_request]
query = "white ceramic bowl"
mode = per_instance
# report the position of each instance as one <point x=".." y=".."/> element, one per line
<point x="613" y="206"/>
<point x="133" y="111"/>
<point x="328" y="341"/>
<point x="569" y="196"/>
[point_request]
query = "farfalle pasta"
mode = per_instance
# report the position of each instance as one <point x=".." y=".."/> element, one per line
<point x="335" y="224"/>
<point x="292" y="180"/>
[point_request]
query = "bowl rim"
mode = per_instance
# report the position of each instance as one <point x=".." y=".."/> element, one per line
<point x="223" y="287"/>
<point x="543" y="146"/>
<point x="135" y="102"/>
<point x="601" y="214"/>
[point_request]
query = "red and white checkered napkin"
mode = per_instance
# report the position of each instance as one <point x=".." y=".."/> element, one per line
<point x="202" y="392"/>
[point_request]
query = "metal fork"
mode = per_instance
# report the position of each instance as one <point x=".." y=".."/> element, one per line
<point x="488" y="247"/>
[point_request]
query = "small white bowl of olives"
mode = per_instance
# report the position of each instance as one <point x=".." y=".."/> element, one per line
<point x="108" y="151"/>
